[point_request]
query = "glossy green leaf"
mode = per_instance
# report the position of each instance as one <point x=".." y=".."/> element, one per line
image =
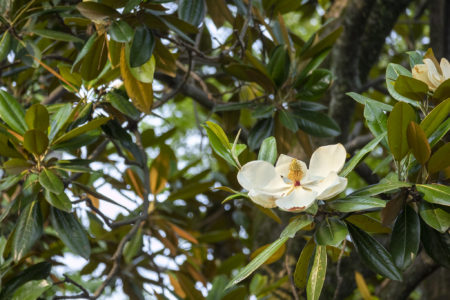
<point x="364" y="100"/>
<point x="440" y="160"/>
<point x="71" y="232"/>
<point x="5" y="45"/>
<point x="16" y="166"/>
<point x="375" y="189"/>
<point x="436" y="245"/>
<point x="60" y="201"/>
<point x="143" y="73"/>
<point x="28" y="230"/>
<point x="358" y="203"/>
<point x="250" y="74"/>
<point x="316" y="123"/>
<point x="322" y="44"/>
<point x="35" y="141"/>
<point x="317" y="274"/>
<point x="415" y="58"/>
<point x="288" y="232"/>
<point x="120" y="31"/>
<point x="397" y="124"/>
<point x="434" y="119"/>
<point x="376" y="119"/>
<point x="133" y="246"/>
<point x="51" y="182"/>
<point x="94" y="124"/>
<point x="95" y="59"/>
<point x="311" y="66"/>
<point x="59" y="119"/>
<point x="368" y="224"/>
<point x="392" y="73"/>
<point x="405" y="238"/>
<point x="411" y="88"/>
<point x="31" y="290"/>
<point x="262" y="130"/>
<point x="84" y="51"/>
<point x="7" y="182"/>
<point x="440" y="132"/>
<point x="442" y="92"/>
<point x="360" y="155"/>
<point x="373" y="253"/>
<point x="192" y="11"/>
<point x="435" y="216"/>
<point x="418" y="142"/>
<point x="301" y="268"/>
<point x="57" y="35"/>
<point x="123" y="105"/>
<point x="38" y="271"/>
<point x="142" y="46"/>
<point x="268" y="150"/>
<point x="279" y="64"/>
<point x="315" y="85"/>
<point x="219" y="142"/>
<point x="36" y="117"/>
<point x="12" y="112"/>
<point x="330" y="232"/>
<point x="288" y="120"/>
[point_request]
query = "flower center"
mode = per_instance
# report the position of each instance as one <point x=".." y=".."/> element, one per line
<point x="295" y="172"/>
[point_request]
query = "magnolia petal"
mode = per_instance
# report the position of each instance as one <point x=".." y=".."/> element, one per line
<point x="329" y="187"/>
<point x="433" y="75"/>
<point x="283" y="163"/>
<point x="445" y="66"/>
<point x="260" y="177"/>
<point x="327" y="159"/>
<point x="298" y="200"/>
<point x="420" y="72"/>
<point x="264" y="200"/>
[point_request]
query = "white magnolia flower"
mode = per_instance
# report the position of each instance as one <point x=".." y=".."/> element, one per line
<point x="430" y="73"/>
<point x="290" y="185"/>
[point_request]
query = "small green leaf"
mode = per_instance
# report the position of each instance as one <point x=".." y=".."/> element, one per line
<point x="330" y="232"/>
<point x="315" y="85"/>
<point x="133" y="246"/>
<point x="288" y="120"/>
<point x="311" y="66"/>
<point x="143" y="73"/>
<point x="440" y="132"/>
<point x="351" y="204"/>
<point x="51" y="182"/>
<point x="317" y="274"/>
<point x="57" y="35"/>
<point x="60" y="201"/>
<point x="279" y="64"/>
<point x="397" y="124"/>
<point x="262" y="130"/>
<point x="435" y="193"/>
<point x="35" y="141"/>
<point x="12" y="112"/>
<point x="364" y="100"/>
<point x="5" y="44"/>
<point x="219" y="142"/>
<point x="373" y="253"/>
<point x="192" y="11"/>
<point x="71" y="232"/>
<point x="376" y="119"/>
<point x="392" y="73"/>
<point x="97" y="12"/>
<point x="435" y="216"/>
<point x="415" y="58"/>
<point x="94" y="124"/>
<point x="440" y="160"/>
<point x="120" y="31"/>
<point x="36" y="117"/>
<point x="316" y="123"/>
<point x="123" y="105"/>
<point x="142" y="46"/>
<point x="59" y="119"/>
<point x="268" y="150"/>
<point x="354" y="161"/>
<point x="405" y="238"/>
<point x="28" y="230"/>
<point x="443" y="91"/>
<point x="31" y="290"/>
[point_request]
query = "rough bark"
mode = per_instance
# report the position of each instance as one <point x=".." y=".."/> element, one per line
<point x="440" y="27"/>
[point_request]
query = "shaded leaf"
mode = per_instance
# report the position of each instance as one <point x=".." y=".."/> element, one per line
<point x="28" y="230"/>
<point x="397" y="123"/>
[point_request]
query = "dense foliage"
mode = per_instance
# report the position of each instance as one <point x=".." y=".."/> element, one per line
<point x="124" y="126"/>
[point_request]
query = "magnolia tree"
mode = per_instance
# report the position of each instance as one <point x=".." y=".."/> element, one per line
<point x="223" y="149"/>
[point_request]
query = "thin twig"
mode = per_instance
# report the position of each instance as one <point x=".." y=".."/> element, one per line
<point x="288" y="270"/>
<point x="339" y="278"/>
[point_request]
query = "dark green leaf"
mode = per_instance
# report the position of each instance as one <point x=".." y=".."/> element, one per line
<point x="28" y="230"/>
<point x="59" y="119"/>
<point x="57" y="35"/>
<point x="12" y="112"/>
<point x="71" y="232"/>
<point x="373" y="253"/>
<point x="123" y="105"/>
<point x="437" y="245"/>
<point x="5" y="44"/>
<point x="364" y="100"/>
<point x="315" y="85"/>
<point x="351" y="204"/>
<point x="262" y="130"/>
<point x="250" y="74"/>
<point x="434" y="119"/>
<point x="397" y="124"/>
<point x="35" y="272"/>
<point x="192" y="11"/>
<point x="301" y="268"/>
<point x="440" y="160"/>
<point x="36" y="117"/>
<point x="279" y="64"/>
<point x="84" y="51"/>
<point x="411" y="88"/>
<point x="60" y="201"/>
<point x="142" y="46"/>
<point x="375" y="189"/>
<point x="317" y="124"/>
<point x="288" y="120"/>
<point x="94" y="124"/>
<point x="405" y="238"/>
<point x="443" y="91"/>
<point x="311" y="66"/>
